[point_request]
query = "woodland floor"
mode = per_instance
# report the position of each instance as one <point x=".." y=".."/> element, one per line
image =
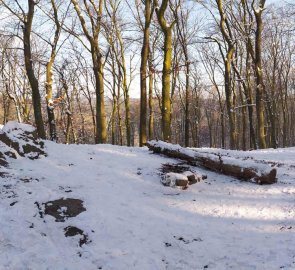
<point x="128" y="220"/>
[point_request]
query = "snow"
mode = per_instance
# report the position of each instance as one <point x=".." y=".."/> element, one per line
<point x="169" y="179"/>
<point x="12" y="126"/>
<point x="134" y="222"/>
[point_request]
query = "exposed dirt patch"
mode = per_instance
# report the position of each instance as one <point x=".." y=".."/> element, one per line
<point x="28" y="179"/>
<point x="62" y="208"/>
<point x="73" y="231"/>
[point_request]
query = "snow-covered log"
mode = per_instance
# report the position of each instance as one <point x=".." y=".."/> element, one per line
<point x="244" y="170"/>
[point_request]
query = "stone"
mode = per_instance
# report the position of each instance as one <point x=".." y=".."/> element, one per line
<point x="181" y="182"/>
<point x="23" y="139"/>
<point x="174" y="179"/>
<point x="194" y="178"/>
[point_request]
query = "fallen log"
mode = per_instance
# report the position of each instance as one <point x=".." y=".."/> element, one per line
<point x="261" y="174"/>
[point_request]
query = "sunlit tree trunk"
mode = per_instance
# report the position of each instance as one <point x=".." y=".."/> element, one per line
<point x="259" y="75"/>
<point x="27" y="29"/>
<point x="143" y="73"/>
<point x="97" y="61"/>
<point x="167" y="69"/>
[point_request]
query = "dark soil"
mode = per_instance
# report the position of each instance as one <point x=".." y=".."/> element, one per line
<point x="175" y="168"/>
<point x="72" y="231"/>
<point x="72" y="208"/>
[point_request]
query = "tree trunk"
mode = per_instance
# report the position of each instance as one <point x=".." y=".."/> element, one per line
<point x="143" y="75"/>
<point x="151" y="112"/>
<point x="167" y="69"/>
<point x="229" y="99"/>
<point x="187" y="101"/>
<point x="101" y="130"/>
<point x="166" y="77"/>
<point x="49" y="98"/>
<point x="30" y="70"/>
<point x="259" y="76"/>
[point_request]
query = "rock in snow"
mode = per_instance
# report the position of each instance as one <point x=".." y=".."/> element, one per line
<point x="174" y="179"/>
<point x="23" y="139"/>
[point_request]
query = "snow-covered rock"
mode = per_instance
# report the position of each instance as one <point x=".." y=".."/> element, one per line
<point x="193" y="178"/>
<point x="174" y="180"/>
<point x="23" y="139"/>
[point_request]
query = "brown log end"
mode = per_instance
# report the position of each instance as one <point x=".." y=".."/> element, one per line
<point x="267" y="179"/>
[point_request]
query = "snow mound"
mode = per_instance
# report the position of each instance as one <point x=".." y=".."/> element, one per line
<point x="23" y="139"/>
<point x="13" y="126"/>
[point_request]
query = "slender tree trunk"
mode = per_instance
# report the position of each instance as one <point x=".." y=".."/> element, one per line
<point x="114" y="112"/>
<point x="119" y="111"/>
<point x="13" y="98"/>
<point x="167" y="69"/>
<point x="81" y="116"/>
<point x="227" y="34"/>
<point x="187" y="102"/>
<point x="166" y="79"/>
<point x="247" y="87"/>
<point x="249" y="100"/>
<point x="97" y="61"/>
<point x="229" y="100"/>
<point x="27" y="29"/>
<point x="143" y="75"/>
<point x="127" y="108"/>
<point x="49" y="98"/>
<point x="101" y="130"/>
<point x="49" y="75"/>
<point x="259" y="76"/>
<point x="151" y="112"/>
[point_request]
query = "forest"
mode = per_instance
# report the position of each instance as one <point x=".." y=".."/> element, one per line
<point x="147" y="134"/>
<point x="198" y="73"/>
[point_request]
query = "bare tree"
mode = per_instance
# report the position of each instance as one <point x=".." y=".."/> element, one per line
<point x="94" y="13"/>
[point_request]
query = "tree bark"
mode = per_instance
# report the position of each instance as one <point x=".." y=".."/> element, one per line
<point x="260" y="88"/>
<point x="27" y="29"/>
<point x="98" y="66"/>
<point x="143" y="74"/>
<point x="226" y="33"/>
<point x="49" y="75"/>
<point x="151" y="105"/>
<point x="167" y="70"/>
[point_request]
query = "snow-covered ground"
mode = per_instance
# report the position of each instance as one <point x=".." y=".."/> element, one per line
<point x="133" y="222"/>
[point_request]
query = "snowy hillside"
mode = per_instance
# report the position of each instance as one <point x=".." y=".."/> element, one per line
<point x="132" y="221"/>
